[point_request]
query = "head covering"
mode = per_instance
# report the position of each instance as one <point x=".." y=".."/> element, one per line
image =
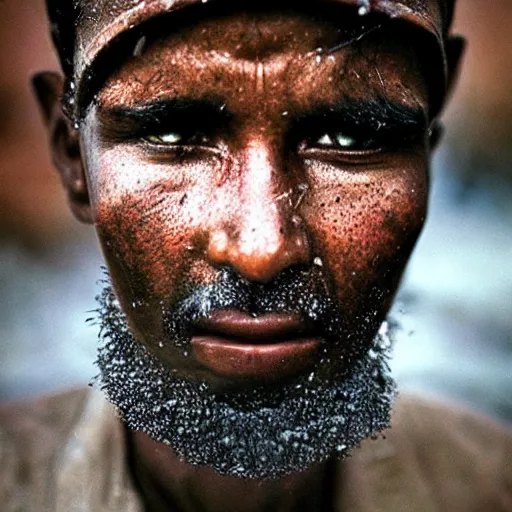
<point x="83" y="30"/>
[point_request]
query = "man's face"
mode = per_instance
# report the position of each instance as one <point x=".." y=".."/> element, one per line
<point x="257" y="183"/>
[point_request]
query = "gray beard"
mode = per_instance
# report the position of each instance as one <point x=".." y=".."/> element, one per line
<point x="265" y="432"/>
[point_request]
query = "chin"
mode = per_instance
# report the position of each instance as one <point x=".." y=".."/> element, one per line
<point x="265" y="430"/>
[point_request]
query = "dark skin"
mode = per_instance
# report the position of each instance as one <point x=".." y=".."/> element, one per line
<point x="266" y="163"/>
<point x="248" y="188"/>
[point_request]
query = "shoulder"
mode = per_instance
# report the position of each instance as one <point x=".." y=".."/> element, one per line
<point x="31" y="434"/>
<point x="440" y="425"/>
<point x="63" y="450"/>
<point x="439" y="456"/>
<point x="45" y="414"/>
<point x="465" y="456"/>
<point x="37" y="423"/>
<point x="30" y="430"/>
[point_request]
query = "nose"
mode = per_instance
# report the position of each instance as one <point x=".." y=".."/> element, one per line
<point x="261" y="234"/>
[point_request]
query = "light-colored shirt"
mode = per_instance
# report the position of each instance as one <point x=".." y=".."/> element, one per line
<point x="67" y="453"/>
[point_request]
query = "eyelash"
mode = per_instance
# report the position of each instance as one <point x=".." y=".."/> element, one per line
<point x="327" y="140"/>
<point x="192" y="139"/>
<point x="344" y="141"/>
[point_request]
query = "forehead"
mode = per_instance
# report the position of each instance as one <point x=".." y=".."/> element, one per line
<point x="274" y="53"/>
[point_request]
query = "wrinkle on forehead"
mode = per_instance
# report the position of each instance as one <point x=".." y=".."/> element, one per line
<point x="185" y="66"/>
<point x="244" y="38"/>
<point x="103" y="26"/>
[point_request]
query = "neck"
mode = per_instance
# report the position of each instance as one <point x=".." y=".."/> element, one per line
<point x="169" y="484"/>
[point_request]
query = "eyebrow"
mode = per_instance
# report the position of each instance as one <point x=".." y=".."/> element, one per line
<point x="159" y="113"/>
<point x="375" y="113"/>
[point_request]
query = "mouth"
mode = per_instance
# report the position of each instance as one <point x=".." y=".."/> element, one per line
<point x="269" y="348"/>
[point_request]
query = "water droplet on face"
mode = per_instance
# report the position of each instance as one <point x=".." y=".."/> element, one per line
<point x="285" y="436"/>
<point x="372" y="354"/>
<point x="384" y="328"/>
<point x="364" y="7"/>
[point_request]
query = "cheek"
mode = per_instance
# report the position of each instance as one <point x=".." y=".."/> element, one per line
<point x="141" y="241"/>
<point x="366" y="229"/>
<point x="148" y="219"/>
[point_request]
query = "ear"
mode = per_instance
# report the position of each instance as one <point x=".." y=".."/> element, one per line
<point x="64" y="142"/>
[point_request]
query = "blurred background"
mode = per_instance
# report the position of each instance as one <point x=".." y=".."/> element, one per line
<point x="455" y="305"/>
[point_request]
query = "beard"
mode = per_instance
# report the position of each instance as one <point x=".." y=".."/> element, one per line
<point x="264" y="431"/>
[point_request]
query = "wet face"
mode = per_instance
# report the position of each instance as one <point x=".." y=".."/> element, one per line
<point x="257" y="184"/>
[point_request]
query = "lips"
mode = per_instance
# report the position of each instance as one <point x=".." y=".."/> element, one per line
<point x="268" y="348"/>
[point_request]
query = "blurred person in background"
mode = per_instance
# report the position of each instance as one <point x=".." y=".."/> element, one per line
<point x="434" y="434"/>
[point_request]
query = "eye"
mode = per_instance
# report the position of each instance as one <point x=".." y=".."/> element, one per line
<point x="183" y="137"/>
<point x="343" y="141"/>
<point x="337" y="139"/>
<point x="167" y="139"/>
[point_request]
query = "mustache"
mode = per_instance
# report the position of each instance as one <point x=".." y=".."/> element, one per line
<point x="301" y="292"/>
